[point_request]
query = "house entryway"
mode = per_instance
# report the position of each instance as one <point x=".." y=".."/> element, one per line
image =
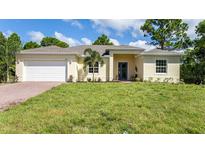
<point x="122" y="71"/>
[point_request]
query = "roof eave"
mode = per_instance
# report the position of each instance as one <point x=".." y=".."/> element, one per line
<point x="160" y="54"/>
<point x="126" y="49"/>
<point x="47" y="53"/>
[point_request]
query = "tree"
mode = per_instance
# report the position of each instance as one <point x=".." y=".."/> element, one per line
<point x="193" y="67"/>
<point x="188" y="69"/>
<point x="8" y="49"/>
<point x="2" y="58"/>
<point x="200" y="42"/>
<point x="92" y="57"/>
<point x="103" y="40"/>
<point x="201" y="29"/>
<point x="167" y="33"/>
<point x="31" y="45"/>
<point x="62" y="44"/>
<point x="48" y="41"/>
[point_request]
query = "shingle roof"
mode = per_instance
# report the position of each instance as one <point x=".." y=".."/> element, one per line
<point x="161" y="52"/>
<point x="80" y="49"/>
<point x="47" y="50"/>
<point x="99" y="48"/>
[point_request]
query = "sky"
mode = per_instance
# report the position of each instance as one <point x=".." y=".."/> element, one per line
<point x="84" y="31"/>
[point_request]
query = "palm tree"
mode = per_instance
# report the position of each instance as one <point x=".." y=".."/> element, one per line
<point x="92" y="57"/>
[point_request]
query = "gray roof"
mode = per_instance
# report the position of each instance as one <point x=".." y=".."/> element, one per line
<point x="161" y="52"/>
<point x="102" y="49"/>
<point x="80" y="49"/>
<point x="46" y="50"/>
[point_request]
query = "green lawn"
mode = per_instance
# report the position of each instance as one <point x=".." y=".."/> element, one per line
<point x="110" y="108"/>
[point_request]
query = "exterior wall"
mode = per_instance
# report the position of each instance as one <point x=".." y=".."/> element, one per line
<point x="19" y="69"/>
<point x="145" y="64"/>
<point x="111" y="67"/>
<point x="139" y="64"/>
<point x="70" y="61"/>
<point x="173" y="68"/>
<point x="130" y="58"/>
<point x="103" y="71"/>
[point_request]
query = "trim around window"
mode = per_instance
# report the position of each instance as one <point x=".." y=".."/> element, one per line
<point x="161" y="66"/>
<point x="96" y="68"/>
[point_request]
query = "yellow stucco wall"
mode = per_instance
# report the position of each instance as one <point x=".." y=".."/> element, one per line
<point x="139" y="64"/>
<point x="130" y="59"/>
<point x="173" y="68"/>
<point x="103" y="71"/>
<point x="145" y="64"/>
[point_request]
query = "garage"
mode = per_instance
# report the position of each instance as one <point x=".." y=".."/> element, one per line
<point x="44" y="71"/>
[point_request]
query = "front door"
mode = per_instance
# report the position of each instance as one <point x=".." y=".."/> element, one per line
<point x="122" y="70"/>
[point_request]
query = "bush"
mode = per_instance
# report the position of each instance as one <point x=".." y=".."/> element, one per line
<point x="99" y="79"/>
<point x="168" y="80"/>
<point x="89" y="79"/>
<point x="70" y="78"/>
<point x="133" y="78"/>
<point x="138" y="79"/>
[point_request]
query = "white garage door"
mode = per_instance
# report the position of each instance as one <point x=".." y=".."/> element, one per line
<point x="44" y="71"/>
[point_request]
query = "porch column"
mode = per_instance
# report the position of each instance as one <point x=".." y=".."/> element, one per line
<point x="67" y="70"/>
<point x="111" y="67"/>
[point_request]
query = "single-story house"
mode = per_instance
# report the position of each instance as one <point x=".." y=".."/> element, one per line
<point x="122" y="62"/>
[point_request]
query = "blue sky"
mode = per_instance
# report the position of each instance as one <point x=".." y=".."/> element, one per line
<point x="78" y="32"/>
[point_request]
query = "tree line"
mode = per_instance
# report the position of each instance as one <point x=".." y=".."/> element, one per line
<point x="48" y="41"/>
<point x="166" y="34"/>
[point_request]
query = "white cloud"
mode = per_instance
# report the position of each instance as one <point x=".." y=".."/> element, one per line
<point x="86" y="41"/>
<point x="192" y="26"/>
<point x="100" y="26"/>
<point x="69" y="40"/>
<point x="36" y="36"/>
<point x="133" y="25"/>
<point x="142" y="44"/>
<point x="7" y="33"/>
<point x="119" y="25"/>
<point x="114" y="41"/>
<point x="74" y="23"/>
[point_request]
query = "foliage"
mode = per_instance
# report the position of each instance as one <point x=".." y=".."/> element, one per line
<point x="92" y="57"/>
<point x="8" y="49"/>
<point x="193" y="68"/>
<point x="49" y="41"/>
<point x="31" y="45"/>
<point x="110" y="108"/>
<point x="62" y="44"/>
<point x="167" y="33"/>
<point x="70" y="78"/>
<point x="2" y="58"/>
<point x="103" y="40"/>
<point x="201" y="29"/>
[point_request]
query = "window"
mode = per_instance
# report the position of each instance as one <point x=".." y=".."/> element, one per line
<point x="161" y="66"/>
<point x="96" y="68"/>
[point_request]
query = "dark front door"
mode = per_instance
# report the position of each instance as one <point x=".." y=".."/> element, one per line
<point x="122" y="70"/>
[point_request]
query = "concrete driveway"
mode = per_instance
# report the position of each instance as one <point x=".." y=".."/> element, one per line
<point x="11" y="94"/>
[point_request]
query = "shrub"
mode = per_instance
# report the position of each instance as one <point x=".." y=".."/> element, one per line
<point x="138" y="79"/>
<point x="133" y="78"/>
<point x="168" y="80"/>
<point x="89" y="79"/>
<point x="99" y="79"/>
<point x="70" y="78"/>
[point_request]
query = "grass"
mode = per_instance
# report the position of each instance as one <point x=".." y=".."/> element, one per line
<point x="110" y="108"/>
